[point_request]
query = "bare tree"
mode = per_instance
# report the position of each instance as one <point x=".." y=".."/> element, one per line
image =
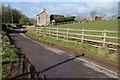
<point x="79" y="17"/>
<point x="112" y="17"/>
<point x="93" y="14"/>
<point x="103" y="16"/>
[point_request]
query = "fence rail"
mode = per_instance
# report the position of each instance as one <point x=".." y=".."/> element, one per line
<point x="98" y="38"/>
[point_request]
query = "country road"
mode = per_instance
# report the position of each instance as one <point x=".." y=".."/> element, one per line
<point x="55" y="63"/>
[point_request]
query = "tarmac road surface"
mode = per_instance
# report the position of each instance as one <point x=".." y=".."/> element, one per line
<point x="55" y="63"/>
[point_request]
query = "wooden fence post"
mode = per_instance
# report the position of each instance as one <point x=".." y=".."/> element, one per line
<point x="37" y="30"/>
<point x="67" y="34"/>
<point x="82" y="35"/>
<point x="104" y="37"/>
<point x="57" y="33"/>
<point x="44" y="31"/>
<point x="49" y="30"/>
<point x="40" y="31"/>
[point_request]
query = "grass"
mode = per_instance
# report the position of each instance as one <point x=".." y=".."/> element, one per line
<point x="88" y="49"/>
<point x="8" y="54"/>
<point x="96" y="25"/>
<point x="111" y="25"/>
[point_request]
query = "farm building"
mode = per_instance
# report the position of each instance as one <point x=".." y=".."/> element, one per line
<point x="45" y="19"/>
<point x="118" y="17"/>
<point x="98" y="18"/>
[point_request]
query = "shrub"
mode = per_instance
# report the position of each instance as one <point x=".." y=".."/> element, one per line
<point x="29" y="23"/>
<point x="65" y="19"/>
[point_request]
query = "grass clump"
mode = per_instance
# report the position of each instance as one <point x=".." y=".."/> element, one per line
<point x="8" y="54"/>
<point x="88" y="49"/>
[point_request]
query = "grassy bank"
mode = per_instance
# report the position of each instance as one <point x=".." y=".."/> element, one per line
<point x="88" y="49"/>
<point x="9" y="56"/>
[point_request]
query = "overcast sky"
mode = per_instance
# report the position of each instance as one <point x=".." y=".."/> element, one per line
<point x="73" y="7"/>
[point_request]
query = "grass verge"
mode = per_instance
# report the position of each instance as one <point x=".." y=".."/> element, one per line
<point x="8" y="56"/>
<point x="88" y="49"/>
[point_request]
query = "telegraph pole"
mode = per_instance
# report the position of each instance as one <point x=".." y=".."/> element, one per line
<point x="12" y="17"/>
<point x="11" y="13"/>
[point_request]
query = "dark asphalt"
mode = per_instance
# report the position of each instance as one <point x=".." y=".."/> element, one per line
<point x="51" y="64"/>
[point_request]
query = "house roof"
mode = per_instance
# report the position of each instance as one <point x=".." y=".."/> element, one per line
<point x="97" y="16"/>
<point x="56" y="14"/>
<point x="44" y="10"/>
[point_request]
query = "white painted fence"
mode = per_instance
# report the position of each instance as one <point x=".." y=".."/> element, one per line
<point x="96" y="37"/>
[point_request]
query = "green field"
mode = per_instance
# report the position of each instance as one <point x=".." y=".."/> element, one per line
<point x="96" y="25"/>
<point x="111" y="25"/>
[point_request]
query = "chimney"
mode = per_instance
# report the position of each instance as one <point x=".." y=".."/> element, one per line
<point x="44" y="10"/>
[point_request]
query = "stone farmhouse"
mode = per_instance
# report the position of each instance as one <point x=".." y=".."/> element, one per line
<point x="45" y="19"/>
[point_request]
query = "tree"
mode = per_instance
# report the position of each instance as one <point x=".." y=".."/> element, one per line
<point x="6" y="14"/>
<point x="93" y="14"/>
<point x="103" y="16"/>
<point x="23" y="20"/>
<point x="65" y="19"/>
<point x="29" y="23"/>
<point x="33" y="21"/>
<point x="79" y="17"/>
<point x="112" y="17"/>
<point x="16" y="16"/>
<point x="118" y="17"/>
<point x="10" y="15"/>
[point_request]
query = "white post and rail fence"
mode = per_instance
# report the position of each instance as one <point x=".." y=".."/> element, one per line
<point x="97" y="38"/>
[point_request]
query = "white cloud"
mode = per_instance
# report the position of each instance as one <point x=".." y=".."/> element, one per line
<point x="67" y="8"/>
<point x="83" y="8"/>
